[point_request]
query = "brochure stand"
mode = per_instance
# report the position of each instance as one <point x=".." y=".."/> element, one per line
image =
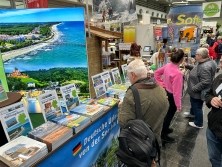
<point x="12" y="98"/>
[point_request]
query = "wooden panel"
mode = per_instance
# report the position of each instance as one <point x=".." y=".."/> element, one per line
<point x="94" y="60"/>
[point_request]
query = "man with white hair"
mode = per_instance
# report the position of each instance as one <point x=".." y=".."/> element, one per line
<point x="154" y="101"/>
<point x="200" y="78"/>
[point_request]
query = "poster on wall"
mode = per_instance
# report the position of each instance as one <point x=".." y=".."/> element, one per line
<point x="211" y="9"/>
<point x="184" y="28"/>
<point x="129" y="34"/>
<point x="37" y="3"/>
<point x="98" y="85"/>
<point x="106" y="79"/>
<point x="158" y="33"/>
<point x="116" y="75"/>
<point x="107" y="12"/>
<point x="15" y="120"/>
<point x="50" y="105"/>
<point x="70" y="96"/>
<point x="43" y="54"/>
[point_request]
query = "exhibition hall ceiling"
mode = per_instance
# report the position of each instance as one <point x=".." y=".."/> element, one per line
<point x="153" y="4"/>
<point x="171" y="2"/>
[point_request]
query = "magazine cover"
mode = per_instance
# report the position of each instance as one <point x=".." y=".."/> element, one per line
<point x="124" y="70"/>
<point x="116" y="76"/>
<point x="3" y="95"/>
<point x="50" y="105"/>
<point x="106" y="79"/>
<point x="22" y="151"/>
<point x="98" y="84"/>
<point x="70" y="96"/>
<point x="15" y="120"/>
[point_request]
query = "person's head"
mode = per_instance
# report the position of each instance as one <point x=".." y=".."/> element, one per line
<point x="202" y="54"/>
<point x="136" y="70"/>
<point x="219" y="38"/>
<point x="205" y="46"/>
<point x="212" y="35"/>
<point x="165" y="40"/>
<point x="177" y="57"/>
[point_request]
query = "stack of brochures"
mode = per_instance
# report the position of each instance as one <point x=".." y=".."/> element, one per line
<point x="74" y="121"/>
<point x="22" y="152"/>
<point x="92" y="111"/>
<point x="51" y="134"/>
<point x="87" y="101"/>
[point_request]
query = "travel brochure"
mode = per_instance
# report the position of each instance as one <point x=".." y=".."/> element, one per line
<point x="106" y="79"/>
<point x="22" y="151"/>
<point x="15" y="120"/>
<point x="98" y="84"/>
<point x="74" y="121"/>
<point x="108" y="101"/>
<point x="70" y="96"/>
<point x="116" y="76"/>
<point x="50" y="105"/>
<point x="91" y="111"/>
<point x="124" y="70"/>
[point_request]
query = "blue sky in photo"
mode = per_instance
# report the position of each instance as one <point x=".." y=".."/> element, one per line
<point x="41" y="15"/>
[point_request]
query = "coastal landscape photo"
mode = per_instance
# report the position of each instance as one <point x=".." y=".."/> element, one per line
<point x="43" y="49"/>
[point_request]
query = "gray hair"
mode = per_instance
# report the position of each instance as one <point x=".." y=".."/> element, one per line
<point x="205" y="46"/>
<point x="219" y="37"/>
<point x="138" y="67"/>
<point x="203" y="52"/>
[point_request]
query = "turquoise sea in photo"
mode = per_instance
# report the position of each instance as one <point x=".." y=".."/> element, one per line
<point x="68" y="51"/>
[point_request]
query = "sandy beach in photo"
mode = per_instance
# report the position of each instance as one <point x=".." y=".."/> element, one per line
<point x="11" y="54"/>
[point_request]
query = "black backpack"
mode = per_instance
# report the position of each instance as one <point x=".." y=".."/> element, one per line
<point x="138" y="146"/>
<point x="218" y="49"/>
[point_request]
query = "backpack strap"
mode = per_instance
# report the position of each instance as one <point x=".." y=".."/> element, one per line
<point x="137" y="102"/>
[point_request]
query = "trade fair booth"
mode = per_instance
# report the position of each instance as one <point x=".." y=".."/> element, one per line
<point x="70" y="76"/>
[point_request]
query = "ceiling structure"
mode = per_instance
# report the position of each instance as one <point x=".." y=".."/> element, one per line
<point x="160" y="5"/>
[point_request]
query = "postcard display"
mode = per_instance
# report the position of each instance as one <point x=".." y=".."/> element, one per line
<point x="54" y="59"/>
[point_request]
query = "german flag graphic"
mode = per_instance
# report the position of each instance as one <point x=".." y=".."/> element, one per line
<point x="77" y="148"/>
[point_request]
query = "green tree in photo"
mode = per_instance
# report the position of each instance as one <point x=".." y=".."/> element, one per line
<point x="55" y="103"/>
<point x="21" y="118"/>
<point x="74" y="93"/>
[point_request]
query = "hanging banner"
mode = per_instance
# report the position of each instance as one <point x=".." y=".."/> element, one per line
<point x="184" y="27"/>
<point x="129" y="34"/>
<point x="211" y="9"/>
<point x="37" y="3"/>
<point x="158" y="33"/>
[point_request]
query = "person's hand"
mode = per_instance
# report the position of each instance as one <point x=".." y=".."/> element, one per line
<point x="184" y="64"/>
<point x="120" y="103"/>
<point x="216" y="102"/>
<point x="178" y="111"/>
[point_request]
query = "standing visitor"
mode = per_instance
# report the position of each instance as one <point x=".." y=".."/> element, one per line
<point x="217" y="49"/>
<point x="201" y="77"/>
<point x="110" y="14"/>
<point x="173" y="83"/>
<point x="214" y="129"/>
<point x="104" y="16"/>
<point x="154" y="101"/>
